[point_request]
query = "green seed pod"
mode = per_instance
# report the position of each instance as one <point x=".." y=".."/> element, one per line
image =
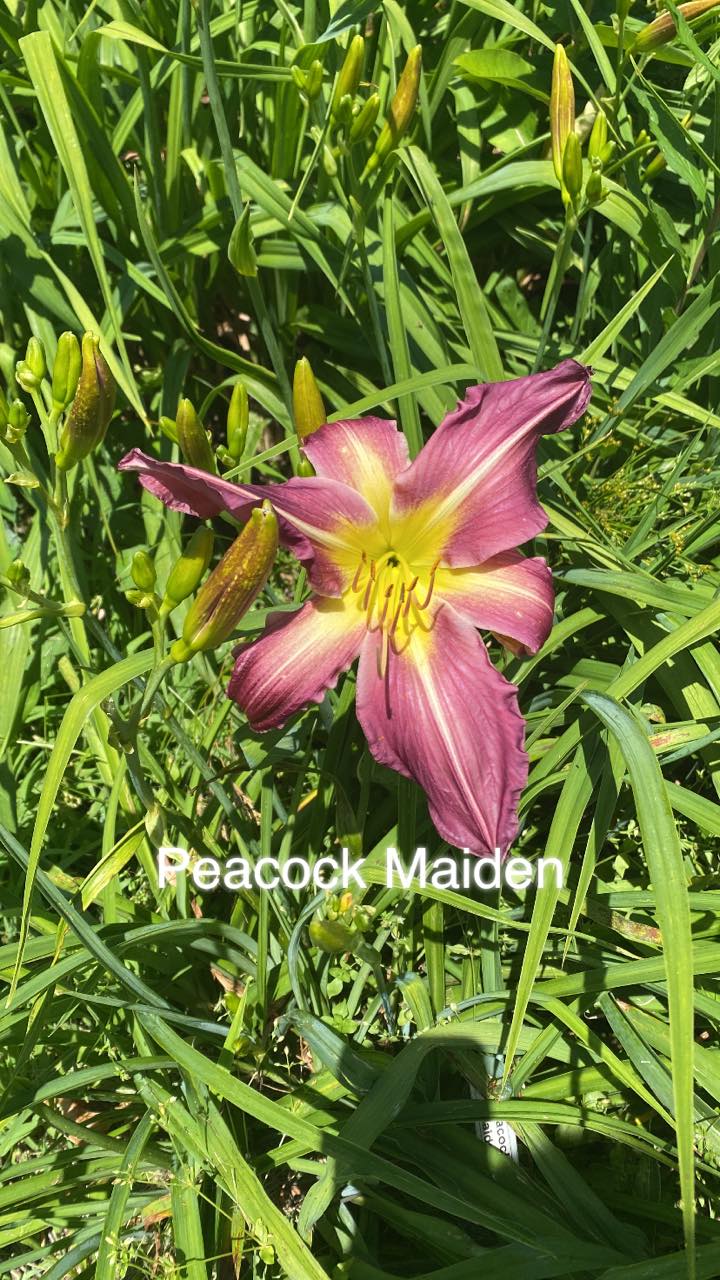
<point x="238" y="420"/>
<point x="240" y="249"/>
<point x="350" y="75"/>
<point x="188" y="570"/>
<point x="91" y="409"/>
<point x="231" y="588"/>
<point x="364" y="121"/>
<point x="662" y="29"/>
<point x="192" y="438"/>
<point x="332" y="936"/>
<point x="143" y="571"/>
<point x="562" y="108"/>
<point x="402" y="110"/>
<point x="31" y="371"/>
<point x="308" y="407"/>
<point x="598" y="137"/>
<point x="572" y="170"/>
<point x="66" y="371"/>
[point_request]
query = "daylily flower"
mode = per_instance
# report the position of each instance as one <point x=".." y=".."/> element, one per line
<point x="406" y="561"/>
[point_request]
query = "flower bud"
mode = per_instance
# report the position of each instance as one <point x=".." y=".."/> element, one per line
<point x="350" y="73"/>
<point x="240" y="249"/>
<point x="402" y="110"/>
<point x="308" y="407"/>
<point x="572" y="170"/>
<point x="18" y="575"/>
<point x="192" y="438"/>
<point x="142" y="571"/>
<point x="231" y="588"/>
<point x="189" y="568"/>
<point x="305" y="467"/>
<point x="364" y="121"/>
<point x="31" y="371"/>
<point x="594" y="191"/>
<point x="598" y="137"/>
<point x="17" y="422"/>
<point x="562" y="108"/>
<point x="332" y="936"/>
<point x="662" y="29"/>
<point x="238" y="419"/>
<point x="168" y="428"/>
<point x="66" y="371"/>
<point x="313" y="80"/>
<point x="91" y="409"/>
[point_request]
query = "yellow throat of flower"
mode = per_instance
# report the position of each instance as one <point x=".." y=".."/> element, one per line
<point x="395" y="598"/>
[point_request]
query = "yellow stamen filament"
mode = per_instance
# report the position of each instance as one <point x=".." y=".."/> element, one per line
<point x="387" y="588"/>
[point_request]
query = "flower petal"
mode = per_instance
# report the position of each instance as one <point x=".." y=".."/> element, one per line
<point x="324" y="522"/>
<point x="296" y="659"/>
<point x="509" y="595"/>
<point x="474" y="481"/>
<point x="444" y="716"/>
<point x="365" y="453"/>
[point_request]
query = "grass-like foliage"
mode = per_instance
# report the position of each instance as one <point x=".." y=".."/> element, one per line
<point x="197" y="1085"/>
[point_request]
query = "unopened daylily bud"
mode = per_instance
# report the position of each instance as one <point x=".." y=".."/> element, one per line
<point x="142" y="571"/>
<point x="313" y="80"/>
<point x="657" y="165"/>
<point x="192" y="438"/>
<point x="168" y="428"/>
<point x="572" y="170"/>
<point x="364" y="121"/>
<point x="402" y="110"/>
<point x="66" y="371"/>
<point x="31" y="371"/>
<point x="350" y="74"/>
<point x="231" y="588"/>
<point x="308" y="406"/>
<point x="594" y="191"/>
<point x="662" y="29"/>
<point x="238" y="420"/>
<point x="598" y="137"/>
<point x="240" y="249"/>
<point x="19" y="575"/>
<point x="332" y="936"/>
<point x="91" y="409"/>
<point x="562" y="108"/>
<point x="17" y="422"/>
<point x="188" y="570"/>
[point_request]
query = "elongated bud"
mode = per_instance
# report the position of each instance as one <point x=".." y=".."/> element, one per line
<point x="168" y="428"/>
<point x="66" y="371"/>
<point x="308" y="406"/>
<point x="31" y="371"/>
<point x="594" y="191"/>
<point x="598" y="138"/>
<point x="17" y="422"/>
<point x="350" y="75"/>
<point x="238" y="420"/>
<point x="572" y="170"/>
<point x="562" y="108"/>
<point x="402" y="110"/>
<point x="662" y="29"/>
<point x="240" y="249"/>
<point x="233" y="585"/>
<point x="189" y="569"/>
<point x="364" y="121"/>
<point x="142" y="571"/>
<point x="313" y="80"/>
<point x="91" y="409"/>
<point x="332" y="936"/>
<point x="192" y="438"/>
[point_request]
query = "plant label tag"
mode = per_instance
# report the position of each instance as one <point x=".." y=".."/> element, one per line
<point x="499" y="1134"/>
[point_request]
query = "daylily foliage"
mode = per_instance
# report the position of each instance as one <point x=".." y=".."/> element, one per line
<point x="406" y="561"/>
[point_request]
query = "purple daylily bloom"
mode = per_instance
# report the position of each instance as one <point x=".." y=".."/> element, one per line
<point x="406" y="561"/>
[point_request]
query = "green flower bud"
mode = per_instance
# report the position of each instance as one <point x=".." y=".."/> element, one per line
<point x="192" y="438"/>
<point x="17" y="422"/>
<point x="143" y="571"/>
<point x="598" y="137"/>
<point x="240" y="249"/>
<point x="364" y="121"/>
<point x="402" y="110"/>
<point x="19" y="575"/>
<point x="572" y="170"/>
<point x="66" y="371"/>
<point x="189" y="568"/>
<point x="350" y="74"/>
<point x="238" y="420"/>
<point x="231" y="588"/>
<point x="657" y="165"/>
<point x="308" y="407"/>
<point x="31" y="371"/>
<point x="305" y="467"/>
<point x="91" y="409"/>
<point x="562" y="108"/>
<point x="168" y="428"/>
<point x="594" y="191"/>
<point x="298" y="76"/>
<point x="332" y="936"/>
<point x="313" y="80"/>
<point x="662" y="29"/>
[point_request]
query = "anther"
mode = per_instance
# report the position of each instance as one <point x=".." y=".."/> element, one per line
<point x="359" y="573"/>
<point x="431" y="587"/>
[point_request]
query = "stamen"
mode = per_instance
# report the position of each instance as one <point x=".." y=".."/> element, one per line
<point x="370" y="585"/>
<point x="396" y="619"/>
<point x="388" y="595"/>
<point x="431" y="587"/>
<point x="358" y="573"/>
<point x="383" y="655"/>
